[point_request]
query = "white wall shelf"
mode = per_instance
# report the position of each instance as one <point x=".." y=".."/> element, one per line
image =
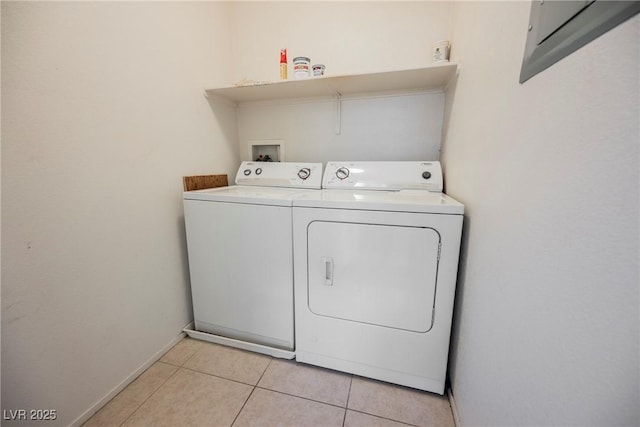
<point x="433" y="77"/>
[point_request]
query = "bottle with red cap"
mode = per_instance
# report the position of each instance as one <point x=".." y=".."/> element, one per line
<point x="283" y="64"/>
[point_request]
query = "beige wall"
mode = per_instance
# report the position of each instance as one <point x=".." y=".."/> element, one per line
<point x="346" y="36"/>
<point x="547" y="309"/>
<point x="102" y="114"/>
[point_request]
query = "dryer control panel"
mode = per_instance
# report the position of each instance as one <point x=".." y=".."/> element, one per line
<point x="384" y="175"/>
<point x="280" y="174"/>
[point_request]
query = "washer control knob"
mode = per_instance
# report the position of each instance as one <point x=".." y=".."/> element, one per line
<point x="258" y="171"/>
<point x="247" y="172"/>
<point x="342" y="173"/>
<point x="304" y="173"/>
<point x="426" y="174"/>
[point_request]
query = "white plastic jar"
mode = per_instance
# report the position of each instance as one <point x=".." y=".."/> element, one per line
<point x="318" y="70"/>
<point x="301" y="65"/>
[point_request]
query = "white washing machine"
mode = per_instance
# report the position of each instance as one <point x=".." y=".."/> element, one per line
<point x="375" y="264"/>
<point x="239" y="242"/>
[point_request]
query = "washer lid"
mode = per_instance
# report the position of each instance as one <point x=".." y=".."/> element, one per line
<point x="276" y="196"/>
<point x="420" y="201"/>
<point x="384" y="175"/>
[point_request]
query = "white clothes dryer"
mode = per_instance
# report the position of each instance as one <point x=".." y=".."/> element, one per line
<point x="375" y="264"/>
<point x="239" y="242"/>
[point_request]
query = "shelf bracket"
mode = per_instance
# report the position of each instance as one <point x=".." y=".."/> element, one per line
<point x="338" y="111"/>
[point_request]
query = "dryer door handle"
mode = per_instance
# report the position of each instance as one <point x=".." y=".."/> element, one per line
<point x="328" y="271"/>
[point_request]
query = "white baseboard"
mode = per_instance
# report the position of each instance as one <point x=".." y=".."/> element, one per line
<point x="454" y="408"/>
<point x="153" y="359"/>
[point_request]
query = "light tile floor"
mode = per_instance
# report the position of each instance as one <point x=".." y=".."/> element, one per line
<point x="202" y="384"/>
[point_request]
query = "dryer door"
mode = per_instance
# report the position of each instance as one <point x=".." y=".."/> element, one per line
<point x="384" y="275"/>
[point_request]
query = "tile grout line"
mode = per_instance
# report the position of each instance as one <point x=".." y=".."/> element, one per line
<point x="385" y="418"/>
<point x="154" y="392"/>
<point x="190" y="357"/>
<point x="346" y="405"/>
<point x="178" y="367"/>
<point x="218" y="376"/>
<point x="367" y="413"/>
<point x="243" y="405"/>
<point x="264" y="372"/>
<point x="251" y="394"/>
<point x="301" y="397"/>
